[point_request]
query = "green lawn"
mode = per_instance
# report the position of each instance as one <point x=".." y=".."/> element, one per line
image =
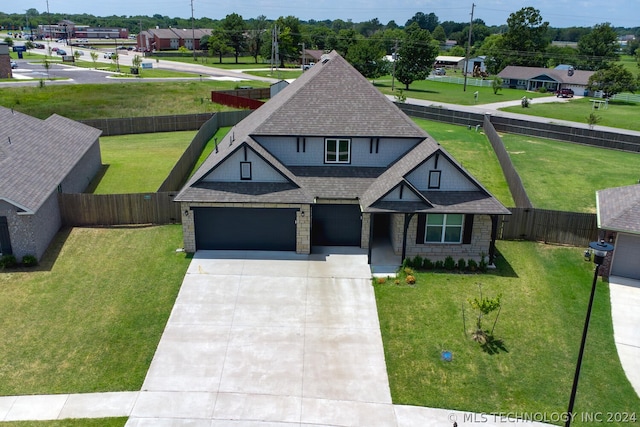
<point x="139" y="163"/>
<point x="90" y="317"/>
<point x="619" y="114"/>
<point x="545" y="291"/>
<point x="473" y="151"/>
<point x="130" y="99"/>
<point x="228" y="63"/>
<point x="452" y="93"/>
<point x="125" y="71"/>
<point x="565" y="176"/>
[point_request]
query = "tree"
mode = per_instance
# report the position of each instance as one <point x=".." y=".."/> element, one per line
<point x="256" y="36"/>
<point x="483" y="307"/>
<point x="598" y="48"/>
<point x="94" y="58"/>
<point x="612" y="80"/>
<point x="136" y="62"/>
<point x="496" y="85"/>
<point x="416" y="55"/>
<point x="217" y="43"/>
<point x="366" y="56"/>
<point x="525" y="41"/>
<point x="233" y="26"/>
<point x="426" y="22"/>
<point x="439" y="34"/>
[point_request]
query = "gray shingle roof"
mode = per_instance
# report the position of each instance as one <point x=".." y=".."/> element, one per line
<point x="619" y="209"/>
<point x="36" y="155"/>
<point x="333" y="99"/>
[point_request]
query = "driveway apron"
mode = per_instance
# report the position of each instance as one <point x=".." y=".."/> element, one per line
<point x="268" y="338"/>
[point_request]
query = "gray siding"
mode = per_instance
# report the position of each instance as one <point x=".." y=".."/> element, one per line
<point x="229" y="169"/>
<point x="285" y="150"/>
<point x="84" y="171"/>
<point x="451" y="179"/>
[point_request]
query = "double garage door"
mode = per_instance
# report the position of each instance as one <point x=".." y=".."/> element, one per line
<point x="273" y="229"/>
<point x="245" y="229"/>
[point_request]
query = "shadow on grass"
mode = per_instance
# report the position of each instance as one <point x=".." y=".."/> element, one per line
<point x="50" y="256"/>
<point x="91" y="188"/>
<point x="503" y="267"/>
<point x="493" y="346"/>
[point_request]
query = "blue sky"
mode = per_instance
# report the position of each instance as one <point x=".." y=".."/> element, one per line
<point x="559" y="13"/>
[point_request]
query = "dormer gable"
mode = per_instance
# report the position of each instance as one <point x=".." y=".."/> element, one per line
<point x="440" y="173"/>
<point x="244" y="164"/>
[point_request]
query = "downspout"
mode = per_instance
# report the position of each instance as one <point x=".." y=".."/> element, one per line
<point x="494" y="234"/>
<point x="407" y="220"/>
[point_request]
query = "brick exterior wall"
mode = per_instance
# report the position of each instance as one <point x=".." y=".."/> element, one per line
<point x="480" y="241"/>
<point x="366" y="226"/>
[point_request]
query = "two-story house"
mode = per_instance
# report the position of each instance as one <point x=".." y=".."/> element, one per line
<point x="330" y="161"/>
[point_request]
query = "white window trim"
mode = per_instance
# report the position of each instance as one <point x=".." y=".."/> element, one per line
<point x="443" y="232"/>
<point x="337" y="153"/>
<point x="244" y="168"/>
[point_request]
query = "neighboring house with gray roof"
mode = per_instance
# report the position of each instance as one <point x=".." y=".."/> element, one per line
<point x="38" y="159"/>
<point x="619" y="219"/>
<point x="330" y="161"/>
<point x="553" y="79"/>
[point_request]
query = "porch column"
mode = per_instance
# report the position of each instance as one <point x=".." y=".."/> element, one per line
<point x="494" y="234"/>
<point x="407" y="220"/>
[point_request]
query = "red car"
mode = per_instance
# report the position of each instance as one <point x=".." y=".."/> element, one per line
<point x="564" y="93"/>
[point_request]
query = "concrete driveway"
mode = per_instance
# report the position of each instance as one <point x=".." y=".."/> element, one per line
<point x="267" y="337"/>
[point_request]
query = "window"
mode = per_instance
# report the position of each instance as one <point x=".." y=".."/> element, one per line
<point x="337" y="151"/>
<point x="245" y="170"/>
<point x="444" y="228"/>
<point x="434" y="179"/>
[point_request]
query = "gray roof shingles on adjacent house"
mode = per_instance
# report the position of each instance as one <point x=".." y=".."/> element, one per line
<point x="577" y="77"/>
<point x="619" y="209"/>
<point x="331" y="99"/>
<point x="36" y="155"/>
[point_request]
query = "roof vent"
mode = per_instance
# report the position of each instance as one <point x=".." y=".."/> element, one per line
<point x="324" y="58"/>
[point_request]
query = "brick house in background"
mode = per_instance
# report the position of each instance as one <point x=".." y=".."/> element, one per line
<point x="170" y="38"/>
<point x="330" y="161"/>
<point x="5" y="62"/>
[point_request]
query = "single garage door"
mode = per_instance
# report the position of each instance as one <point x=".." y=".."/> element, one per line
<point x="336" y="225"/>
<point x="626" y="259"/>
<point x="245" y="229"/>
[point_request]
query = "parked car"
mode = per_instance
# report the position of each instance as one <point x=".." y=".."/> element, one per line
<point x="565" y="93"/>
<point x="38" y="45"/>
<point x="61" y="52"/>
<point x="440" y="72"/>
<point x="108" y="55"/>
<point x="14" y="64"/>
<point x="54" y="49"/>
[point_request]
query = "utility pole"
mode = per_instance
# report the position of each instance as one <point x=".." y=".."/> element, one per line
<point x="466" y="61"/>
<point x="303" y="55"/>
<point x="193" y="34"/>
<point x="394" y="57"/>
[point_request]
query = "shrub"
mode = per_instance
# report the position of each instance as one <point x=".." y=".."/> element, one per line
<point x="427" y="264"/>
<point x="397" y="281"/>
<point x="29" y="261"/>
<point x="542" y="89"/>
<point x="449" y="263"/>
<point x="484" y="265"/>
<point x="381" y="280"/>
<point x="417" y="262"/>
<point x="408" y="271"/>
<point x="439" y="265"/>
<point x="472" y="265"/>
<point x="8" y="261"/>
<point x="411" y="280"/>
<point x="462" y="264"/>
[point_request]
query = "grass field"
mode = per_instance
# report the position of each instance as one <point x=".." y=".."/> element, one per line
<point x="545" y="291"/>
<point x="565" y="176"/>
<point x="139" y="163"/>
<point x="90" y="317"/>
<point x="619" y="114"/>
<point x="131" y="99"/>
<point x="452" y="93"/>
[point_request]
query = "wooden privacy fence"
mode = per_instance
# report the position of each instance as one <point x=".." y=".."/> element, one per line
<point x="235" y="101"/>
<point x="129" y="125"/>
<point x="514" y="182"/>
<point x="83" y="209"/>
<point x="541" y="225"/>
